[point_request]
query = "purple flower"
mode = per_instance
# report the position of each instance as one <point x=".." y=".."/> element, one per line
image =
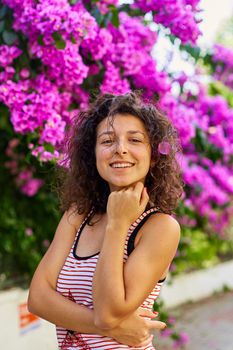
<point x="103" y="5"/>
<point x="223" y="59"/>
<point x="164" y="148"/>
<point x="8" y="54"/>
<point x="28" y="231"/>
<point x="113" y="82"/>
<point x="183" y="340"/>
<point x="176" y="15"/>
<point x="31" y="187"/>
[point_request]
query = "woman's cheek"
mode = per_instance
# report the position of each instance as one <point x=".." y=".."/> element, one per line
<point x="106" y="150"/>
<point x="103" y="155"/>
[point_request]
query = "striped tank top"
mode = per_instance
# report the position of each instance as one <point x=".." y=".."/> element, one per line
<point x="75" y="282"/>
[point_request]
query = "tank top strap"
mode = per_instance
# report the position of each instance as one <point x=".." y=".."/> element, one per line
<point x="135" y="227"/>
<point x="79" y="230"/>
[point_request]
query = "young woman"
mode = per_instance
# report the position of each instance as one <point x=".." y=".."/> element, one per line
<point x="115" y="242"/>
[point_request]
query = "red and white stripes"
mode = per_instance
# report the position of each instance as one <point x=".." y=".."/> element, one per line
<point x="75" y="282"/>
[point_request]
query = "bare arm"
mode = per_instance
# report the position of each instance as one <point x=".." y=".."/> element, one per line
<point x="47" y="303"/>
<point x="43" y="299"/>
<point x="119" y="289"/>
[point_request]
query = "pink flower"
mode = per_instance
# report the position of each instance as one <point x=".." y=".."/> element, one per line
<point x="25" y="175"/>
<point x="28" y="231"/>
<point x="183" y="340"/>
<point x="8" y="54"/>
<point x="24" y="73"/>
<point x="177" y="15"/>
<point x="31" y="187"/>
<point x="46" y="243"/>
<point x="166" y="333"/>
<point x="164" y="148"/>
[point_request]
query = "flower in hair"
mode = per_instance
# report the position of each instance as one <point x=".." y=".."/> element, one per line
<point x="164" y="147"/>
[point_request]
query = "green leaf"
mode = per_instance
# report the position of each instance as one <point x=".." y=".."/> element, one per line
<point x="3" y="11"/>
<point x="200" y="140"/>
<point x="4" y="113"/>
<point x="115" y="16"/>
<point x="72" y="39"/>
<point x="60" y="45"/>
<point x="131" y="11"/>
<point x="9" y="37"/>
<point x="56" y="36"/>
<point x="98" y="16"/>
<point x="193" y="51"/>
<point x="48" y="147"/>
<point x="218" y="88"/>
<point x="107" y="18"/>
<point x="172" y="38"/>
<point x="40" y="40"/>
<point x="207" y="59"/>
<point x="59" y="41"/>
<point x="2" y="25"/>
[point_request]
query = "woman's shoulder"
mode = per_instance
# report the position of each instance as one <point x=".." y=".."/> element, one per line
<point x="162" y="225"/>
<point x="73" y="218"/>
<point x="160" y="216"/>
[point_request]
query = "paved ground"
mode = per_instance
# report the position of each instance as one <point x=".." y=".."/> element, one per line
<point x="209" y="324"/>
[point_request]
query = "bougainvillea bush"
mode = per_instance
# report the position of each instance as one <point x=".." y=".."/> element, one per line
<point x="55" y="55"/>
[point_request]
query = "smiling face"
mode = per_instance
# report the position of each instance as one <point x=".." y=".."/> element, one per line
<point x="123" y="151"/>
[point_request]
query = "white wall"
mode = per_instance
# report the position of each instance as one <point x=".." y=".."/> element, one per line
<point x="197" y="285"/>
<point x="18" y="330"/>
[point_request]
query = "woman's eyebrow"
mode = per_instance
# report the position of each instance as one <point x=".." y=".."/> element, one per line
<point x="105" y="133"/>
<point x="129" y="132"/>
<point x="135" y="132"/>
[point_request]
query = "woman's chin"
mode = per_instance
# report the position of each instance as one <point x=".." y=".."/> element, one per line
<point x="121" y="184"/>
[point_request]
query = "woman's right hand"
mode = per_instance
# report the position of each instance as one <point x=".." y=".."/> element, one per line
<point x="136" y="329"/>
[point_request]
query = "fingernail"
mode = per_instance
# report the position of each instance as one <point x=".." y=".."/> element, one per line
<point x="155" y="312"/>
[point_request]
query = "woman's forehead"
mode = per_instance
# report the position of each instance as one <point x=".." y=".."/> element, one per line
<point x="121" y="122"/>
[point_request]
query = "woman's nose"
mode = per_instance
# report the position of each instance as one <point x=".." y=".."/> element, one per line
<point x="121" y="147"/>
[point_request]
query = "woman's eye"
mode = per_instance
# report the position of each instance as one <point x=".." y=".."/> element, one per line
<point x="107" y="141"/>
<point x="135" y="140"/>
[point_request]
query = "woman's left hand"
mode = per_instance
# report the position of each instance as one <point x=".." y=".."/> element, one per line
<point x="126" y="205"/>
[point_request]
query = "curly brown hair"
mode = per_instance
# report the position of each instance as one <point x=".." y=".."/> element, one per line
<point x="81" y="184"/>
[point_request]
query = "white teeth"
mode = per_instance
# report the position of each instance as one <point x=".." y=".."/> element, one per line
<point x="121" y="165"/>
